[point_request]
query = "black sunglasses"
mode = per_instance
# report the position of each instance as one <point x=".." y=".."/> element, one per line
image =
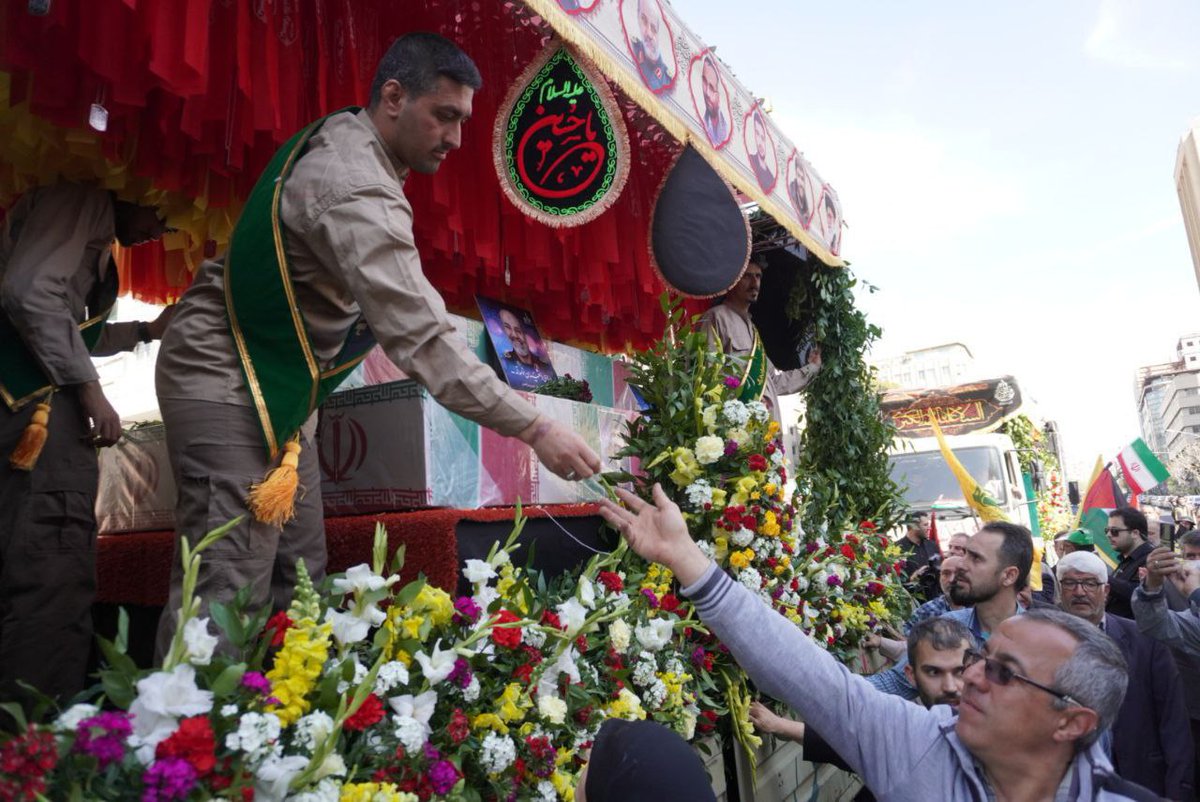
<point x="1000" y="674"/>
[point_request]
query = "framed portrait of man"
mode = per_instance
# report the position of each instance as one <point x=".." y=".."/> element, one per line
<point x="800" y="188"/>
<point x="710" y="99"/>
<point x="829" y="214"/>
<point x="760" y="149"/>
<point x="523" y="356"/>
<point x="650" y="41"/>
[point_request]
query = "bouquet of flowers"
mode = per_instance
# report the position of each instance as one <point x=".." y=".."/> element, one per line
<point x="364" y="690"/>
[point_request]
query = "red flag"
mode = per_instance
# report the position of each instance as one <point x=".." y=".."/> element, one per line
<point x="933" y="535"/>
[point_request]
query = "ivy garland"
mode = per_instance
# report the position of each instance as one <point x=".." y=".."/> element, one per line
<point x="842" y="471"/>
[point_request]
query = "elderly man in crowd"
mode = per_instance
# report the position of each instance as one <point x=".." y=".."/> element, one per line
<point x="1151" y="739"/>
<point x="1035" y="699"/>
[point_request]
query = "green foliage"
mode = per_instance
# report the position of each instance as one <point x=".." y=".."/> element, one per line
<point x="842" y="470"/>
<point x="1030" y="442"/>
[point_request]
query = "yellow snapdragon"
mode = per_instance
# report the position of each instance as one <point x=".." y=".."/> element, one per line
<point x="297" y="668"/>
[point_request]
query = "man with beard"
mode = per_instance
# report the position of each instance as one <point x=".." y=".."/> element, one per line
<point x="943" y="603"/>
<point x="936" y="647"/>
<point x="995" y="569"/>
<point x="1126" y="532"/>
<point x="525" y="370"/>
<point x="1151" y="738"/>
<point x="716" y="124"/>
<point x="764" y="172"/>
<point x="646" y="52"/>
<point x="921" y="557"/>
<point x="729" y="326"/>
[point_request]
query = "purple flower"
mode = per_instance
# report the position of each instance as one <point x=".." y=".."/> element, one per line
<point x="811" y="547"/>
<point x="775" y="594"/>
<point x="466" y="610"/>
<point x="256" y="682"/>
<point x="731" y="447"/>
<point x="698" y="657"/>
<point x="431" y="752"/>
<point x="442" y="776"/>
<point x="650" y="597"/>
<point x="461" y="675"/>
<point x="833" y="581"/>
<point x="103" y="737"/>
<point x="733" y="382"/>
<point x="168" y="779"/>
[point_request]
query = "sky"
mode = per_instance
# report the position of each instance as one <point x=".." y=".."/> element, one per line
<point x="1006" y="171"/>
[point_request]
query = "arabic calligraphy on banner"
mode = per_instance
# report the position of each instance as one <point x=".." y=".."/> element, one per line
<point x="560" y="145"/>
<point x="647" y="50"/>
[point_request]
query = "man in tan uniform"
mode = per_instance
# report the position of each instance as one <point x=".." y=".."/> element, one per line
<point x="55" y="274"/>
<point x="729" y="325"/>
<point x="347" y="232"/>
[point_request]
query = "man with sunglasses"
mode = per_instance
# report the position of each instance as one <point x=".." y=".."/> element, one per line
<point x="1126" y="533"/>
<point x="1034" y="702"/>
<point x="1151" y="739"/>
<point x="57" y="286"/>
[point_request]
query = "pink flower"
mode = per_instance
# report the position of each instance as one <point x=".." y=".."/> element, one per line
<point x="733" y="382"/>
<point x="168" y="779"/>
<point x="103" y="737"/>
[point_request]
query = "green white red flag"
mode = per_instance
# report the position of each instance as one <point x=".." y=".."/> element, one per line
<point x="1141" y="468"/>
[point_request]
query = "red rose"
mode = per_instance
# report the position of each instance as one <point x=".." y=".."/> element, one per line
<point x="757" y="462"/>
<point x="867" y="526"/>
<point x="848" y="552"/>
<point x="368" y="714"/>
<point x="581" y="643"/>
<point x="611" y="581"/>
<point x="459" y="727"/>
<point x="670" y="603"/>
<point x="278" y="625"/>
<point x="509" y="637"/>
<point x="523" y="673"/>
<point x="551" y="620"/>
<point x="707" y="722"/>
<point x="193" y="742"/>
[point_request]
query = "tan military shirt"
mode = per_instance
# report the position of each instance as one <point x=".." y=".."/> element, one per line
<point x="349" y="240"/>
<point x="736" y="336"/>
<point x="54" y="251"/>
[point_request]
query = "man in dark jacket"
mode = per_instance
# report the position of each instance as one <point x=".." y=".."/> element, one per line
<point x="1127" y="533"/>
<point x="1151" y="738"/>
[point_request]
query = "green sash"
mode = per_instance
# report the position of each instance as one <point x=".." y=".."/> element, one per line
<point x="22" y="379"/>
<point x="754" y="381"/>
<point x="268" y="327"/>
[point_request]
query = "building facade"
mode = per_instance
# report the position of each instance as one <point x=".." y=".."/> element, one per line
<point x="938" y="366"/>
<point x="1168" y="400"/>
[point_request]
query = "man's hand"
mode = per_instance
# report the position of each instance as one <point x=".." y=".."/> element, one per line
<point x="105" y="423"/>
<point x="657" y="532"/>
<point x="159" y="325"/>
<point x="814" y="356"/>
<point x="1187" y="578"/>
<point x="917" y="574"/>
<point x="1160" y="564"/>
<point x="560" y="449"/>
<point x="765" y="721"/>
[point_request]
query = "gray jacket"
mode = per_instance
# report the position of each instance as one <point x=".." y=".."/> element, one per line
<point x="1179" y="630"/>
<point x="901" y="750"/>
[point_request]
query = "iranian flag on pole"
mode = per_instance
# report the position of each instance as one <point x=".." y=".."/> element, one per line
<point x="1141" y="468"/>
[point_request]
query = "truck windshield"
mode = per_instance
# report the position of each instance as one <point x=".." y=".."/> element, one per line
<point x="927" y="479"/>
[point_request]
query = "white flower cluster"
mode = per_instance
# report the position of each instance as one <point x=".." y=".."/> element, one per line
<point x="552" y="709"/>
<point x="534" y="637"/>
<point x="654" y="635"/>
<point x="498" y="753"/>
<point x="410" y="732"/>
<point x="257" y="735"/>
<point x="742" y="537"/>
<point x="312" y="729"/>
<point x="391" y="675"/>
<point x="643" y="671"/>
<point x="546" y="792"/>
<point x="619" y="635"/>
<point x="751" y="578"/>
<point x="471" y="692"/>
<point x="710" y="551"/>
<point x="735" y="412"/>
<point x="709" y="449"/>
<point x="758" y="411"/>
<point x="360" y="674"/>
<point x="328" y="790"/>
<point x="655" y="694"/>
<point x="699" y="493"/>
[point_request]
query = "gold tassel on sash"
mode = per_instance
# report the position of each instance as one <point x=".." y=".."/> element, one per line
<point x="273" y="500"/>
<point x="29" y="447"/>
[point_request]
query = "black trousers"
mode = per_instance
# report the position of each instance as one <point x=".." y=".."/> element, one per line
<point x="47" y="555"/>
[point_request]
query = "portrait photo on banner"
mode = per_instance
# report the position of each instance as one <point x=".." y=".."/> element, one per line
<point x="760" y="149"/>
<point x="800" y="188"/>
<point x="523" y="356"/>
<point x="710" y="99"/>
<point x="829" y="213"/>
<point x="650" y="41"/>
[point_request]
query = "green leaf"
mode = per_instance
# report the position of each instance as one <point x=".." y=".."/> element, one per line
<point x="227" y="681"/>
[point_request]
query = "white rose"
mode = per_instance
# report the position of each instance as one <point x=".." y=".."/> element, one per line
<point x="552" y="709"/>
<point x="709" y="449"/>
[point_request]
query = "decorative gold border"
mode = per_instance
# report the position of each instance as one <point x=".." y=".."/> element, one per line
<point x="650" y="235"/>
<point x="609" y="103"/>
<point x="49" y="389"/>
<point x="573" y="32"/>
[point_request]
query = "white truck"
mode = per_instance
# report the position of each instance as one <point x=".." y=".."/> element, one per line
<point x="969" y="416"/>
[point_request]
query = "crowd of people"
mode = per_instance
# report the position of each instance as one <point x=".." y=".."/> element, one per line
<point x="1086" y="689"/>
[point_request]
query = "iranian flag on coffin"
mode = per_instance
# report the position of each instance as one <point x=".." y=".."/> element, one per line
<point x="1103" y="496"/>
<point x="1141" y="468"/>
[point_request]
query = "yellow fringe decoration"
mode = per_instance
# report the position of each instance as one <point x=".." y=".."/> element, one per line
<point x="273" y="500"/>
<point x="29" y="447"/>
